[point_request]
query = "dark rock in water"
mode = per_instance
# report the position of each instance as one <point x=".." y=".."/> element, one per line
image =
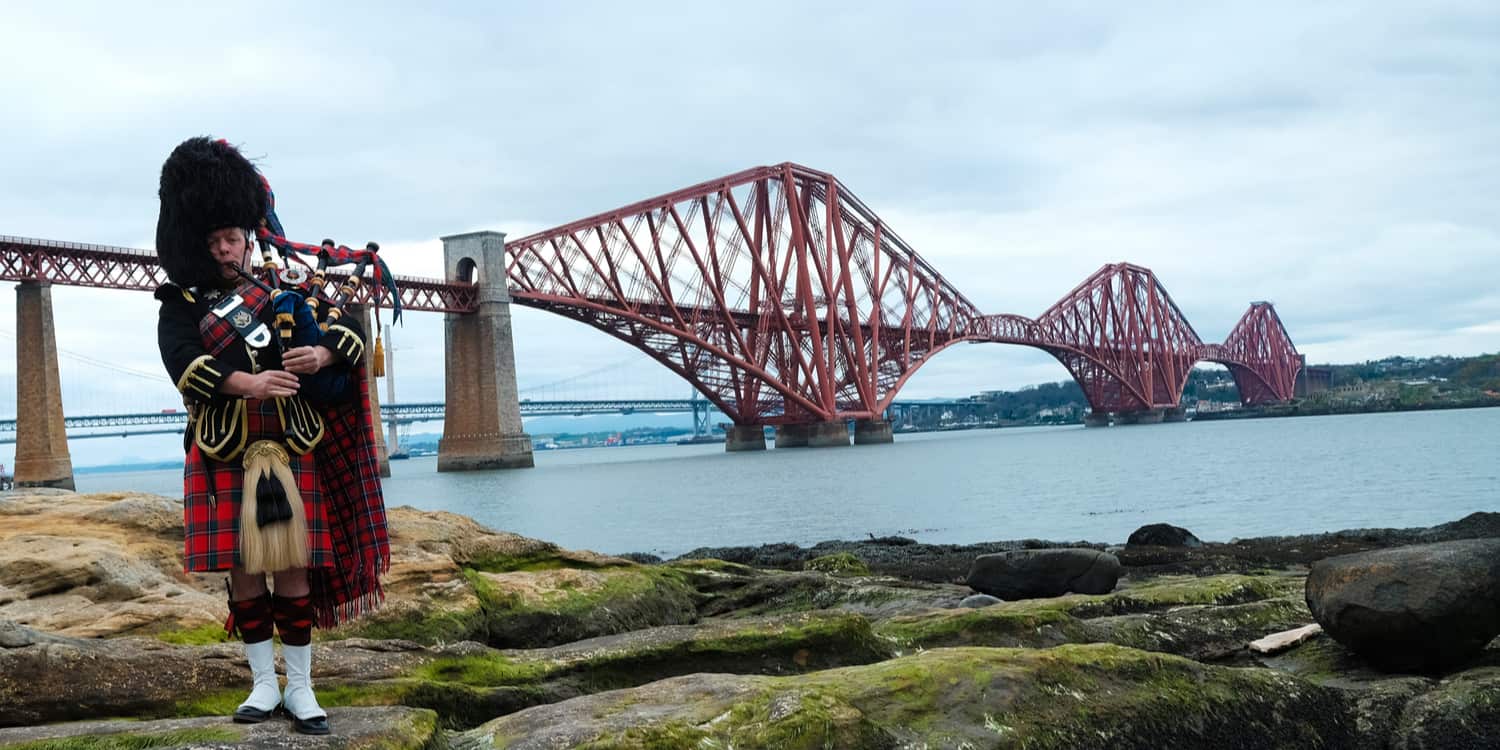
<point x="891" y="541"/>
<point x="978" y="600"/>
<point x="1472" y="526"/>
<point x="1031" y="574"/>
<point x="1420" y="608"/>
<point x="892" y="556"/>
<point x="783" y="555"/>
<point x="1163" y="535"/>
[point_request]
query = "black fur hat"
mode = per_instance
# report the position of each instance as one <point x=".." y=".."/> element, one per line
<point x="205" y="185"/>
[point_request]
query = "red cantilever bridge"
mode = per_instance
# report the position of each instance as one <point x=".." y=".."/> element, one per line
<point x="785" y="300"/>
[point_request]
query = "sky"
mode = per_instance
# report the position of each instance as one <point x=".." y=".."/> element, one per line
<point x="1337" y="159"/>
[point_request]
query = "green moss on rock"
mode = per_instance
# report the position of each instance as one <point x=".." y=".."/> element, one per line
<point x="1178" y="591"/>
<point x="624" y="598"/>
<point x="429" y="626"/>
<point x="1093" y="696"/>
<point x="987" y="626"/>
<point x="670" y="736"/>
<point x="136" y="741"/>
<point x="795" y="644"/>
<point x="1065" y="619"/>
<point x="542" y="559"/>
<point x="537" y="605"/>
<point x="839" y="563"/>
<point x="1462" y="712"/>
<point x="202" y="635"/>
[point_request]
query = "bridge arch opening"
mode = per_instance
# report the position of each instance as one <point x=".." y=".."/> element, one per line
<point x="467" y="270"/>
<point x="1012" y="384"/>
<point x="1211" y="387"/>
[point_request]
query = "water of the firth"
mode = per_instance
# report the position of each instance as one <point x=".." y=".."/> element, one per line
<point x="1219" y="479"/>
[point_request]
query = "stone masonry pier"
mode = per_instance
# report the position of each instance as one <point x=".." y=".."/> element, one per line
<point x="482" y="417"/>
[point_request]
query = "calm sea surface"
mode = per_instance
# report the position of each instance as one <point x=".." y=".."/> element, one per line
<point x="1219" y="479"/>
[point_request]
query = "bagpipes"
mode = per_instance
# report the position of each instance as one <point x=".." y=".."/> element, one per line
<point x="288" y="284"/>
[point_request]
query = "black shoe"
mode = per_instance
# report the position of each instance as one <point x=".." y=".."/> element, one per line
<point x="315" y="725"/>
<point x="251" y="715"/>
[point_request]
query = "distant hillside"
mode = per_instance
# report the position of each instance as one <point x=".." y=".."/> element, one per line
<point x="1462" y="378"/>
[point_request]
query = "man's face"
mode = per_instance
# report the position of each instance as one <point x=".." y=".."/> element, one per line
<point x="230" y="251"/>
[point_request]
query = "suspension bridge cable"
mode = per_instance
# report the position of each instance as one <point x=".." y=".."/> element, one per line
<point x="155" y="376"/>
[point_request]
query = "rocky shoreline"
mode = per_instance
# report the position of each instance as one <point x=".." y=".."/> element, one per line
<point x="906" y="558"/>
<point x="490" y="639"/>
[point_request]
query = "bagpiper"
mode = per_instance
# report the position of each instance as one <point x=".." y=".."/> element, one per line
<point x="281" y="474"/>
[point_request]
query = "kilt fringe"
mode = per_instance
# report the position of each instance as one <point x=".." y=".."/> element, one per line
<point x="330" y="613"/>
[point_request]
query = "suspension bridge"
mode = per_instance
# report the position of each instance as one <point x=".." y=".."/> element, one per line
<point x="774" y="292"/>
<point x="174" y="421"/>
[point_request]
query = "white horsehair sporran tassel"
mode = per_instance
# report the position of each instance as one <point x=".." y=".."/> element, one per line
<point x="273" y="523"/>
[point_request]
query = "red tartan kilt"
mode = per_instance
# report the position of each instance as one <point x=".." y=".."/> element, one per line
<point x="211" y="501"/>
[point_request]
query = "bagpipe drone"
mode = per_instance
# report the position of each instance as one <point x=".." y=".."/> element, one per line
<point x="292" y="281"/>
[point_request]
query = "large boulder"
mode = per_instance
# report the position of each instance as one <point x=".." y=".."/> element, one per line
<point x="1162" y="535"/>
<point x="1421" y="608"/>
<point x="100" y="565"/>
<point x="1031" y="574"/>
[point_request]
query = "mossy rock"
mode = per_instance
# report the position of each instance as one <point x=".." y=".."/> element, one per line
<point x="562" y="605"/>
<point x="1459" y="710"/>
<point x="202" y="635"/>
<point x="538" y="600"/>
<point x="385" y="728"/>
<point x="1095" y="696"/>
<point x="1204" y="632"/>
<point x="1463" y="711"/>
<point x="136" y="740"/>
<point x="1079" y="618"/>
<point x="462" y="687"/>
<point x="839" y="563"/>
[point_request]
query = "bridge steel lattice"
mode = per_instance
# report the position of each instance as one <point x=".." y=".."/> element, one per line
<point x="784" y="299"/>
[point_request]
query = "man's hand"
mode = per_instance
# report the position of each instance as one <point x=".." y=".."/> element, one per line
<point x="272" y="384"/>
<point x="306" y="360"/>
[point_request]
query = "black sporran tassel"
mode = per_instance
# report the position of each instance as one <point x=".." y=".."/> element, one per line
<point x="271" y="505"/>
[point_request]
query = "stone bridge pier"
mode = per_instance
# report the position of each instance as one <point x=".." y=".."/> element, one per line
<point x="482" y="412"/>
<point x="42" y="458"/>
